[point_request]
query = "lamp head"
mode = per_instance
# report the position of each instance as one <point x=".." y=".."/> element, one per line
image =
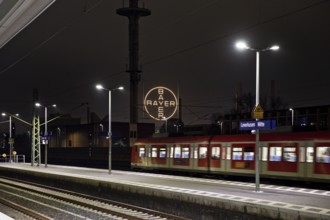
<point x="242" y="45"/>
<point x="275" y="47"/>
<point x="99" y="87"/>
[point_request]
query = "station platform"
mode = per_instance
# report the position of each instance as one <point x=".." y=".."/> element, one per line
<point x="5" y="217"/>
<point x="183" y="194"/>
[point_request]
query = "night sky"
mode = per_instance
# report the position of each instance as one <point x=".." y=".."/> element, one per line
<point x="185" y="45"/>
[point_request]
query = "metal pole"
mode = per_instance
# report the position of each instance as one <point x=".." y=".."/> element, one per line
<point x="165" y="125"/>
<point x="256" y="159"/>
<point x="257" y="78"/>
<point x="110" y="132"/>
<point x="10" y="141"/>
<point x="46" y="136"/>
<point x="292" y="117"/>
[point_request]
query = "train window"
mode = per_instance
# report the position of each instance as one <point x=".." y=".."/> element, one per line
<point x="289" y="154"/>
<point x="264" y="153"/>
<point x="215" y="154"/>
<point x="185" y="152"/>
<point x="162" y="152"/>
<point x="171" y="152"/>
<point x="275" y="154"/>
<point x="309" y="154"/>
<point x="154" y="152"/>
<point x="202" y="152"/>
<point x="248" y="153"/>
<point x="177" y="152"/>
<point x="323" y="154"/>
<point x="249" y="156"/>
<point x="142" y="152"/>
<point x="228" y="154"/>
<point x="237" y="153"/>
<point x="302" y="154"/>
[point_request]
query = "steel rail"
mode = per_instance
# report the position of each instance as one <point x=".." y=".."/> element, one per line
<point x="92" y="198"/>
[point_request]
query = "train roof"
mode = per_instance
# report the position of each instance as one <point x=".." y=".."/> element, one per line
<point x="291" y="136"/>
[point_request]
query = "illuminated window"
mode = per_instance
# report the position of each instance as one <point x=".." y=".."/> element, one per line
<point x="248" y="153"/>
<point x="323" y="154"/>
<point x="228" y="157"/>
<point x="215" y="154"/>
<point x="171" y="152"/>
<point x="162" y="152"/>
<point x="195" y="152"/>
<point x="202" y="152"/>
<point x="302" y="154"/>
<point x="264" y="153"/>
<point x="309" y="154"/>
<point x="289" y="154"/>
<point x="237" y="153"/>
<point x="154" y="152"/>
<point x="275" y="154"/>
<point x="142" y="152"/>
<point x="185" y="152"/>
<point x="177" y="152"/>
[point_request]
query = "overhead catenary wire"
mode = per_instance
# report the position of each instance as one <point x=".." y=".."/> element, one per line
<point x="162" y="58"/>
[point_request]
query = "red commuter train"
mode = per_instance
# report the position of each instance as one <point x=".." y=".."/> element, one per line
<point x="298" y="156"/>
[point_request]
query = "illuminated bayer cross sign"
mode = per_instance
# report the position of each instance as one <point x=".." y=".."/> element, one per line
<point x="160" y="103"/>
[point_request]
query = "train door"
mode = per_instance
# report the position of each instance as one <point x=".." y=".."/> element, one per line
<point x="209" y="159"/>
<point x="215" y="160"/>
<point x="242" y="156"/>
<point x="202" y="155"/>
<point x="138" y="155"/>
<point x="158" y="154"/>
<point x="181" y="155"/>
<point x="134" y="154"/>
<point x="322" y="158"/>
<point x="283" y="157"/>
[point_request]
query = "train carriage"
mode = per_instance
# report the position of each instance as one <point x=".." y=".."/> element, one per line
<point x="299" y="156"/>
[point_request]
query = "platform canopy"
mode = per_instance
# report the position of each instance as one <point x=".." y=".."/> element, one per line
<point x="15" y="15"/>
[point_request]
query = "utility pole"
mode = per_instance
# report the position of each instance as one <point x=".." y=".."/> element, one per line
<point x="133" y="13"/>
<point x="35" y="145"/>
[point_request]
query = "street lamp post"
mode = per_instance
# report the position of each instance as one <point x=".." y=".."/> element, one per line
<point x="46" y="129"/>
<point x="243" y="45"/>
<point x="100" y="87"/>
<point x="221" y="126"/>
<point x="292" y="116"/>
<point x="10" y="140"/>
<point x="58" y="137"/>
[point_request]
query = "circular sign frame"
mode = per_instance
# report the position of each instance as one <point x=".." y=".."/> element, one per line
<point x="160" y="103"/>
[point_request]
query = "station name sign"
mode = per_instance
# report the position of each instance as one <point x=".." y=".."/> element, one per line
<point x="254" y="125"/>
<point x="160" y="103"/>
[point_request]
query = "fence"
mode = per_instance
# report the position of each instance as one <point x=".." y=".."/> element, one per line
<point x="15" y="159"/>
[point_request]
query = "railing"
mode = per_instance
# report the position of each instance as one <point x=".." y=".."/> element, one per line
<point x="15" y="159"/>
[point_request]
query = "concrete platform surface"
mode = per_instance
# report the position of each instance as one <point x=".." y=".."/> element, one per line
<point x="278" y="202"/>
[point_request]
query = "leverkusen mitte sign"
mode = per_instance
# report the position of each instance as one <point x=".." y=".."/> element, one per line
<point x="254" y="125"/>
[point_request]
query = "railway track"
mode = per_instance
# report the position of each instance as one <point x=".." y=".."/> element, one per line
<point x="44" y="202"/>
